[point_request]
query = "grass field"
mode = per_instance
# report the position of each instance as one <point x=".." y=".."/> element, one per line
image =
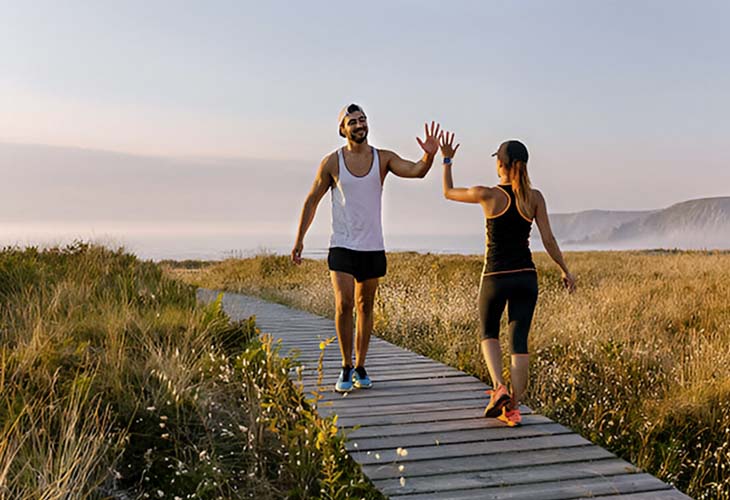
<point x="637" y="360"/>
<point x="115" y="384"/>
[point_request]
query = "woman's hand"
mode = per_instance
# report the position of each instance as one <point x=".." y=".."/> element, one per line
<point x="569" y="282"/>
<point x="446" y="141"/>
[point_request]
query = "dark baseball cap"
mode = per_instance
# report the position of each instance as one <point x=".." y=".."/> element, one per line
<point x="510" y="151"/>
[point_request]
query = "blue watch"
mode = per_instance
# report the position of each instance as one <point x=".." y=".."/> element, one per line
<point x="447" y="160"/>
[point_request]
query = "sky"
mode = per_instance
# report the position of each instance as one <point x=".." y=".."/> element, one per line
<point x="216" y="114"/>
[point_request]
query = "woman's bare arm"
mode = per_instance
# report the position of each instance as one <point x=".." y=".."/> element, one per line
<point x="549" y="241"/>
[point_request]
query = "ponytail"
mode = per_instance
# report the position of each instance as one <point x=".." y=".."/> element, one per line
<point x="521" y="182"/>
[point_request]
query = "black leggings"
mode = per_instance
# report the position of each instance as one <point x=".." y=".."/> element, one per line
<point x="518" y="291"/>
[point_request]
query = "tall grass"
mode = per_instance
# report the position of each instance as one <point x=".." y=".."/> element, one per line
<point x="115" y="384"/>
<point x="637" y="360"/>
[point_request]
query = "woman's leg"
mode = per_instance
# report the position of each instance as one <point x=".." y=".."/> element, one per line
<point x="521" y="308"/>
<point x="519" y="374"/>
<point x="492" y="353"/>
<point x="491" y="307"/>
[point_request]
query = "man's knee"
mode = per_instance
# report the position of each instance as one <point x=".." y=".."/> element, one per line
<point x="365" y="305"/>
<point x="344" y="304"/>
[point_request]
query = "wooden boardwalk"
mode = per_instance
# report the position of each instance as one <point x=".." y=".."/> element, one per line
<point x="434" y="412"/>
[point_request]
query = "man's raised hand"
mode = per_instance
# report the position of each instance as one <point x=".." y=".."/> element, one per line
<point x="431" y="145"/>
<point x="296" y="253"/>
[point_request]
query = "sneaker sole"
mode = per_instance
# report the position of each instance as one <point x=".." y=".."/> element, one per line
<point x="341" y="391"/>
<point x="496" y="410"/>
<point x="509" y="422"/>
<point x="360" y="386"/>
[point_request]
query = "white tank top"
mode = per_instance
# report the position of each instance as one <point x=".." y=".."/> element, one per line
<point x="357" y="207"/>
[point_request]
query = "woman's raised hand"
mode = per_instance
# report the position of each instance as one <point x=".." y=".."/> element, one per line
<point x="446" y="142"/>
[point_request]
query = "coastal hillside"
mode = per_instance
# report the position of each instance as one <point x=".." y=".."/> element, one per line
<point x="695" y="224"/>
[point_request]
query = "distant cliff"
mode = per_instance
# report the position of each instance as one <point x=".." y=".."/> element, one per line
<point x="693" y="224"/>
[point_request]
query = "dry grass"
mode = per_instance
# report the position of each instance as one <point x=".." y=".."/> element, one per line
<point x="114" y="383"/>
<point x="637" y="360"/>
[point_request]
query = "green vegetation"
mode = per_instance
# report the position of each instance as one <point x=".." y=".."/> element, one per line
<point x="115" y="384"/>
<point x="637" y="360"/>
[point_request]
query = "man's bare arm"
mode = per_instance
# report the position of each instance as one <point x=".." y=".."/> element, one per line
<point x="322" y="183"/>
<point x="406" y="168"/>
<point x="409" y="169"/>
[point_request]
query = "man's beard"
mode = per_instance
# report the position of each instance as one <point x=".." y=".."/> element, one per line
<point x="354" y="137"/>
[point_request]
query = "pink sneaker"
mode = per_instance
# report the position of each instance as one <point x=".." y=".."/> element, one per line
<point x="512" y="418"/>
<point x="497" y="400"/>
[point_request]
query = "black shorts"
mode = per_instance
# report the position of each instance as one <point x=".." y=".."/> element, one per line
<point x="363" y="265"/>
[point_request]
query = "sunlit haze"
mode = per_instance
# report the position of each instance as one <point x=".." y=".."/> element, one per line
<point x="195" y="128"/>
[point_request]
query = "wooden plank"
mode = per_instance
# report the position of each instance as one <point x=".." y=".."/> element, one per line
<point x="314" y="342"/>
<point x="417" y="412"/>
<point x="409" y="441"/>
<point x="312" y="355"/>
<point x="393" y="373"/>
<point x="376" y="373"/>
<point x="494" y="425"/>
<point x="334" y="347"/>
<point x="671" y="494"/>
<point x="386" y="400"/>
<point x="439" y="383"/>
<point x="442" y="384"/>
<point x="560" y="490"/>
<point x="383" y="367"/>
<point x="285" y="328"/>
<point x="332" y="376"/>
<point x="379" y="392"/>
<point x="509" y="460"/>
<point x="314" y="345"/>
<point x="395" y="401"/>
<point x="335" y="360"/>
<point x="315" y="339"/>
<point x="467" y="449"/>
<point x="405" y="362"/>
<point x="504" y="477"/>
<point x="376" y="366"/>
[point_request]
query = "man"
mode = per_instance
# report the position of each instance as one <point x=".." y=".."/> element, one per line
<point x="355" y="176"/>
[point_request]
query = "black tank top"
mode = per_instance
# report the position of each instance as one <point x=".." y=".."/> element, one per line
<point x="508" y="239"/>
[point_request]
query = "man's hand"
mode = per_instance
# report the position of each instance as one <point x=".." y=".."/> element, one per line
<point x="569" y="282"/>
<point x="446" y="141"/>
<point x="431" y="145"/>
<point x="296" y="253"/>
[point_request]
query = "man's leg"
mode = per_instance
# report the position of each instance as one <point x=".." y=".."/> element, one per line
<point x="365" y="300"/>
<point x="344" y="288"/>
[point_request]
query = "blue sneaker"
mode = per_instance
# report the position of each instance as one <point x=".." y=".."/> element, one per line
<point x="344" y="381"/>
<point x="360" y="378"/>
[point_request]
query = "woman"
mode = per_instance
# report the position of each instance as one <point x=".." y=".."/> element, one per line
<point x="509" y="277"/>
